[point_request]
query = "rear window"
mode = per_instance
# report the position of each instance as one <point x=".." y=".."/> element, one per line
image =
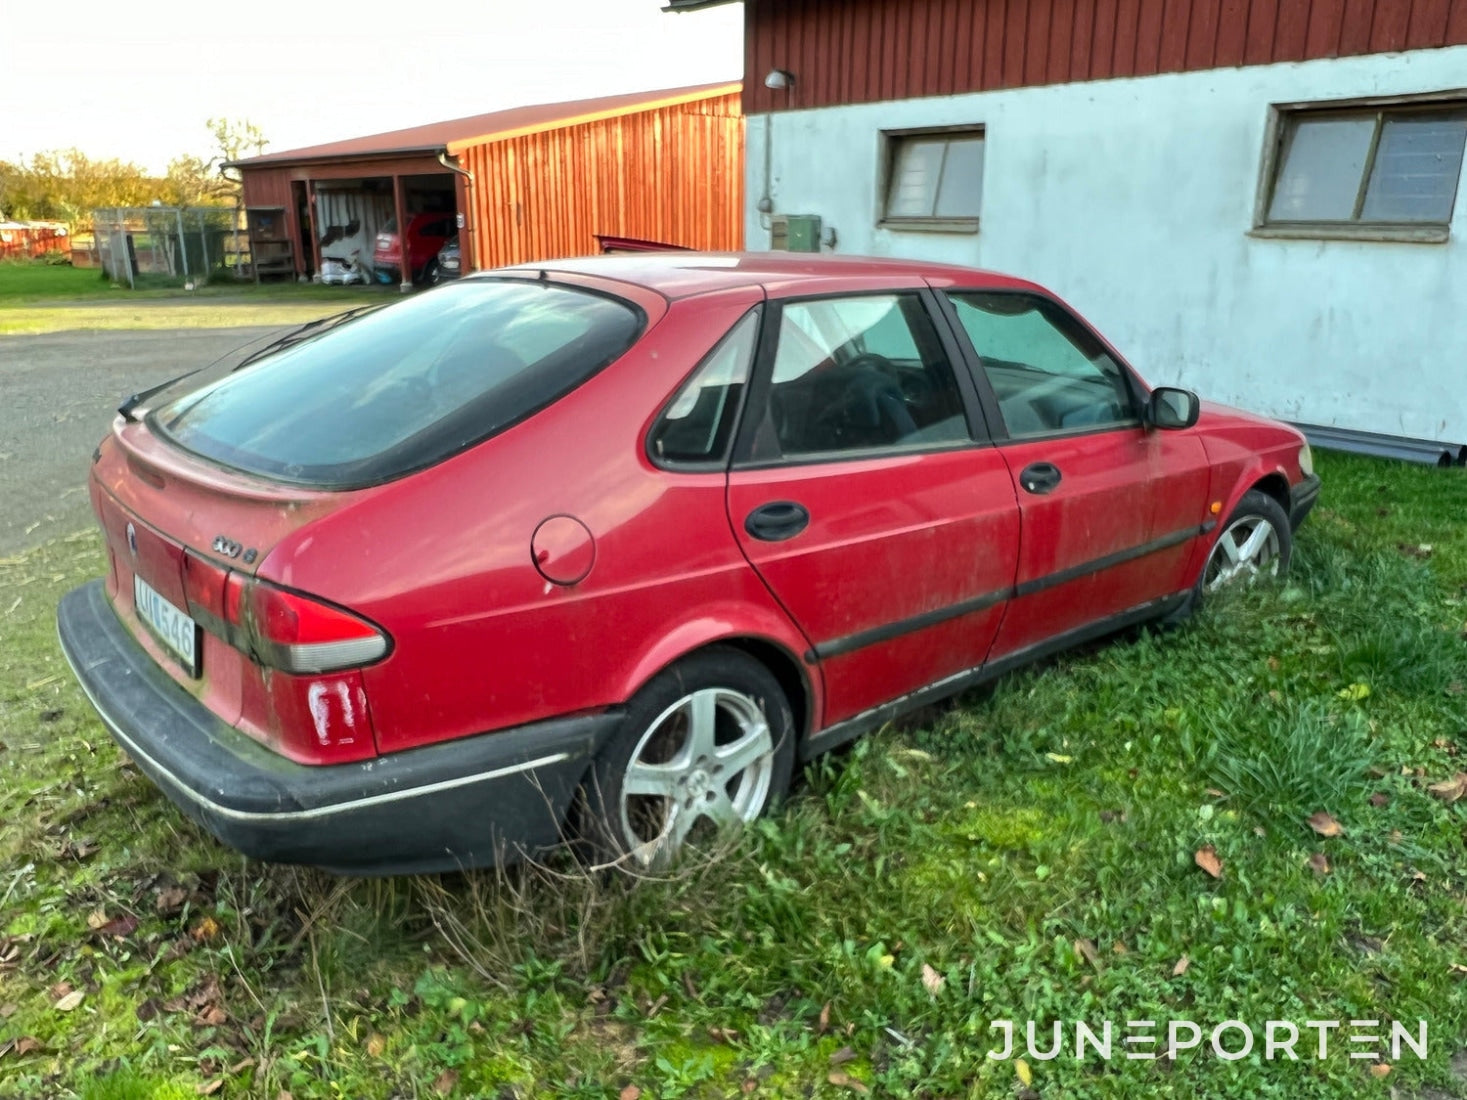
<point x="404" y="387"/>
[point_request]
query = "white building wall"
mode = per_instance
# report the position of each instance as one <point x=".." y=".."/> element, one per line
<point x="1133" y="199"/>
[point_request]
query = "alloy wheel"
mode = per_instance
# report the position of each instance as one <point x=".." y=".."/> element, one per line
<point x="1247" y="550"/>
<point x="704" y="764"/>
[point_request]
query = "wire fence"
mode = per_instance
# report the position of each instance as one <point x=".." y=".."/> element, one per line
<point x="182" y="244"/>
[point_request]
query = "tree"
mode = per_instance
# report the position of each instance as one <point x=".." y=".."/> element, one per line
<point x="67" y="185"/>
<point x="235" y="139"/>
<point x="197" y="181"/>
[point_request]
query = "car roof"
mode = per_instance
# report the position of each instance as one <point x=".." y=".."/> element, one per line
<point x="780" y="274"/>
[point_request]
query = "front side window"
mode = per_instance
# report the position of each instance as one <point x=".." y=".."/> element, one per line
<point x="1049" y="372"/>
<point x="935" y="180"/>
<point x="858" y="374"/>
<point x="1367" y="167"/>
<point x="403" y="387"/>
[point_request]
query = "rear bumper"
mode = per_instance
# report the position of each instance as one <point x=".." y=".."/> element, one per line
<point x="472" y="802"/>
<point x="1302" y="498"/>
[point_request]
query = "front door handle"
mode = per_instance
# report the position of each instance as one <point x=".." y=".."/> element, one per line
<point x="776" y="521"/>
<point x="1039" y="477"/>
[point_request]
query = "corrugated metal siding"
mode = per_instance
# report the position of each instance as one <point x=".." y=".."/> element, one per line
<point x="859" y="51"/>
<point x="675" y="174"/>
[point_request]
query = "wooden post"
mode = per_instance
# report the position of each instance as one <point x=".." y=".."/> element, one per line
<point x="405" y="267"/>
<point x="315" y="228"/>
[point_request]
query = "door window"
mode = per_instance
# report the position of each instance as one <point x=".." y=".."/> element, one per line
<point x="1049" y="372"/>
<point x="857" y="374"/>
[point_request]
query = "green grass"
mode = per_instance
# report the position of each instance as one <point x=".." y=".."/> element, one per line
<point x="1062" y="807"/>
<point x="38" y="298"/>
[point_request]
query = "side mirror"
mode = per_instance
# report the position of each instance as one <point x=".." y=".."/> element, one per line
<point x="1171" y="407"/>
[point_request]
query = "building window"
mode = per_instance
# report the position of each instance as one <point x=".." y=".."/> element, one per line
<point x="1382" y="171"/>
<point x="934" y="180"/>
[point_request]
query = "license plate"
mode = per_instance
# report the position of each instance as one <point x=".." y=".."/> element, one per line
<point x="172" y="627"/>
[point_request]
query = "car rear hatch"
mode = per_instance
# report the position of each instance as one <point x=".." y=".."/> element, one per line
<point x="184" y="539"/>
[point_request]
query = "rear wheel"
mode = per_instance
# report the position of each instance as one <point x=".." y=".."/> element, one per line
<point x="706" y="746"/>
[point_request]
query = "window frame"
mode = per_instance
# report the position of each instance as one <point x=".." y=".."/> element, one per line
<point x="720" y="465"/>
<point x="1276" y="132"/>
<point x="1140" y="392"/>
<point x="761" y="381"/>
<point x="890" y="145"/>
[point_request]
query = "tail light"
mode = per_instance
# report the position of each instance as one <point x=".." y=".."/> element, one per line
<point x="275" y="626"/>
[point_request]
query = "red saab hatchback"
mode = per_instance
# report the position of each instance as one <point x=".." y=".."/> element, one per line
<point x="632" y="534"/>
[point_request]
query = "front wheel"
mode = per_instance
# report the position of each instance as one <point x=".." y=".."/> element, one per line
<point x="706" y="746"/>
<point x="1255" y="543"/>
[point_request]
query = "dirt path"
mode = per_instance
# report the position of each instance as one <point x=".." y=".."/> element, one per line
<point x="58" y="393"/>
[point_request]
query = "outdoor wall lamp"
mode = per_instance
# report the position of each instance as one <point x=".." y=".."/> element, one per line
<point x="779" y="78"/>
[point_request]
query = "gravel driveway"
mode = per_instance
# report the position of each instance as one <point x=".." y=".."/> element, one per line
<point x="58" y="394"/>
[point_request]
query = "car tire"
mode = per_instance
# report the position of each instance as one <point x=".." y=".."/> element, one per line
<point x="708" y="743"/>
<point x="1253" y="512"/>
<point x="429" y="275"/>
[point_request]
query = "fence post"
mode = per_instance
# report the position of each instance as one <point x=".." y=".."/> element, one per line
<point x="182" y="241"/>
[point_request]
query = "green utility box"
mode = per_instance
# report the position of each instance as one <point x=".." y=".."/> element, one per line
<point x="794" y="233"/>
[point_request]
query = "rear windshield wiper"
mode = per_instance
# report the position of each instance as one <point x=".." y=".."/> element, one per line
<point x="305" y="332"/>
<point x="294" y="336"/>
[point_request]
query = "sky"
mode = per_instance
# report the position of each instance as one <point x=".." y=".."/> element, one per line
<point x="138" y="81"/>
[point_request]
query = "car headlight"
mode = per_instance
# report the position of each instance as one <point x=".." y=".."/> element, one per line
<point x="1306" y="460"/>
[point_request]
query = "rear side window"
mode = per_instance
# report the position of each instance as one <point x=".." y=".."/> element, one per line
<point x="404" y="387"/>
<point x="696" y="426"/>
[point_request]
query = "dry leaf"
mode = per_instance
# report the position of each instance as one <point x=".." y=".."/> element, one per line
<point x="723" y="1034"/>
<point x="1086" y="950"/>
<point x="1118" y="948"/>
<point x="206" y="929"/>
<point x="1026" y="1075"/>
<point x="631" y="1092"/>
<point x="1450" y="790"/>
<point x="748" y="1086"/>
<point x="209" y="1088"/>
<point x="1181" y="967"/>
<point x="1319" y="863"/>
<point x="119" y="927"/>
<point x="823" y="1025"/>
<point x="1456" y="968"/>
<point x="1380" y="798"/>
<point x="376" y="1045"/>
<point x="171" y="900"/>
<point x="1380" y="1069"/>
<point x="211" y="1016"/>
<point x="1206" y="858"/>
<point x="96" y="918"/>
<point x="845" y="1080"/>
<point x="1323" y="824"/>
<point x="70" y="1001"/>
<point x="932" y="981"/>
<point x="8" y="1009"/>
<point x="446" y="1080"/>
<point x="283" y="1095"/>
<point x="842" y="1056"/>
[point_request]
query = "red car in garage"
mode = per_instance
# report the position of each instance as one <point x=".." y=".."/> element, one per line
<point x="632" y="534"/>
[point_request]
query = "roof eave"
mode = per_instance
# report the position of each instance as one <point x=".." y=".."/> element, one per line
<point x="695" y="5"/>
<point x="283" y="160"/>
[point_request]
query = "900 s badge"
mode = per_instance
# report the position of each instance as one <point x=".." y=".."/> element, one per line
<point x="226" y="546"/>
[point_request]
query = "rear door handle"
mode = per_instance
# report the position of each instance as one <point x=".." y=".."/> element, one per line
<point x="776" y="521"/>
<point x="1039" y="477"/>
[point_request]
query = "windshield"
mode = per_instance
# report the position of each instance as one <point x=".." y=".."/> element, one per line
<point x="392" y="391"/>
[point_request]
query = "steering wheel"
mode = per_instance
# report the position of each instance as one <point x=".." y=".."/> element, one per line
<point x="866" y="407"/>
